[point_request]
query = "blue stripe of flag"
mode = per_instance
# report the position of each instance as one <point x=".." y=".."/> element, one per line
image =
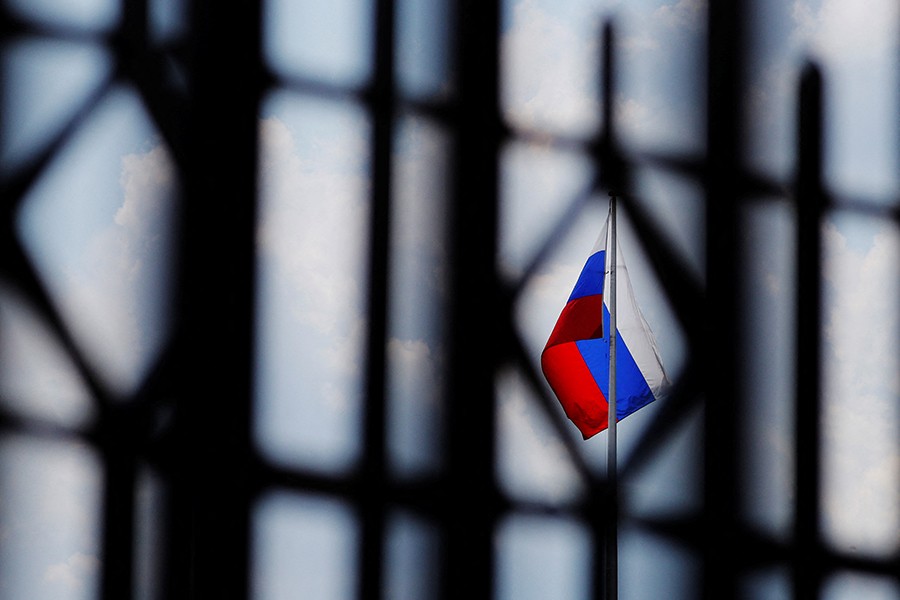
<point x="590" y="282"/>
<point x="632" y="391"/>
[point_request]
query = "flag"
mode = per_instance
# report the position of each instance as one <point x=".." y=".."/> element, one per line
<point x="575" y="360"/>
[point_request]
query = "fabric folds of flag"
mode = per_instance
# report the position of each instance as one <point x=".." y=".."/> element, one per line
<point x="575" y="360"/>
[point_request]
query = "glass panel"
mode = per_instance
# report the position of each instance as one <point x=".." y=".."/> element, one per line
<point x="419" y="284"/>
<point x="661" y="56"/>
<point x="46" y="83"/>
<point x="653" y="567"/>
<point x="312" y="288"/>
<point x="773" y="70"/>
<point x="331" y="41"/>
<point x="412" y="559"/>
<point x="50" y="545"/>
<point x="150" y="517"/>
<point x="304" y="547"/>
<point x="531" y="461"/>
<point x="676" y="205"/>
<point x="670" y="483"/>
<point x="98" y="226"/>
<point x="424" y="47"/>
<point x="540" y="558"/>
<point x="550" y="62"/>
<point x="771" y="584"/>
<point x="861" y="376"/>
<point x="37" y="377"/>
<point x="538" y="184"/>
<point x="769" y="295"/>
<point x="855" y="586"/>
<point x="168" y="18"/>
<point x="549" y="74"/>
<point x="857" y="50"/>
<point x="84" y="14"/>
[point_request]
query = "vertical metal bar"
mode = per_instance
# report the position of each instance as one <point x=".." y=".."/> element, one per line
<point x="117" y="566"/>
<point x="723" y="196"/>
<point x="614" y="176"/>
<point x="209" y="536"/>
<point x="372" y="501"/>
<point x="118" y="427"/>
<point x="806" y="568"/>
<point x="469" y="507"/>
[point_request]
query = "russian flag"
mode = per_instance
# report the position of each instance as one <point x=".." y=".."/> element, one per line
<point x="575" y="360"/>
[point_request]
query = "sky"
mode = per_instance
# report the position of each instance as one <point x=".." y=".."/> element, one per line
<point x="97" y="225"/>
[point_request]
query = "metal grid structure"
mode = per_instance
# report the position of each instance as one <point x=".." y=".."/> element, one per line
<point x="204" y="450"/>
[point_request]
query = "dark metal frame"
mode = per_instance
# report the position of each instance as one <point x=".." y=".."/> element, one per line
<point x="212" y="471"/>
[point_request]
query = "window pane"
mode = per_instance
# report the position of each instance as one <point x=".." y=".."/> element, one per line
<point x="98" y="225"/>
<point x="330" y="41"/>
<point x="543" y="559"/>
<point x="304" y="547"/>
<point x="419" y="284"/>
<point x="653" y="567"/>
<point x="771" y="584"/>
<point x="538" y="185"/>
<point x="855" y="586"/>
<point x="47" y="82"/>
<point x="37" y="377"/>
<point x="84" y="14"/>
<point x="532" y="462"/>
<point x="861" y="376"/>
<point x="50" y="545"/>
<point x="768" y="368"/>
<point x="424" y="47"/>
<point x="549" y="74"/>
<point x="312" y="280"/>
<point x="412" y="559"/>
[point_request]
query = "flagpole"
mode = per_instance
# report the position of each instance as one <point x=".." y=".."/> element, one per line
<point x="612" y="584"/>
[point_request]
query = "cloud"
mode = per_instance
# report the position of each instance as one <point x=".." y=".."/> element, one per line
<point x="684" y="14"/>
<point x="313" y="225"/>
<point x="550" y="71"/>
<point x="862" y="388"/>
<point x="49" y="517"/>
<point x="114" y="289"/>
<point x="843" y="31"/>
<point x="856" y="48"/>
<point x="312" y="240"/>
<point x="73" y="574"/>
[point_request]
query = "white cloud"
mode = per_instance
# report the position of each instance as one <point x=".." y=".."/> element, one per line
<point x="312" y="227"/>
<point x="49" y="517"/>
<point x="862" y="388"/>
<point x="684" y="14"/>
<point x="846" y="30"/>
<point x="550" y="71"/>
<point x="113" y="289"/>
<point x="312" y="240"/>
<point x="73" y="574"/>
